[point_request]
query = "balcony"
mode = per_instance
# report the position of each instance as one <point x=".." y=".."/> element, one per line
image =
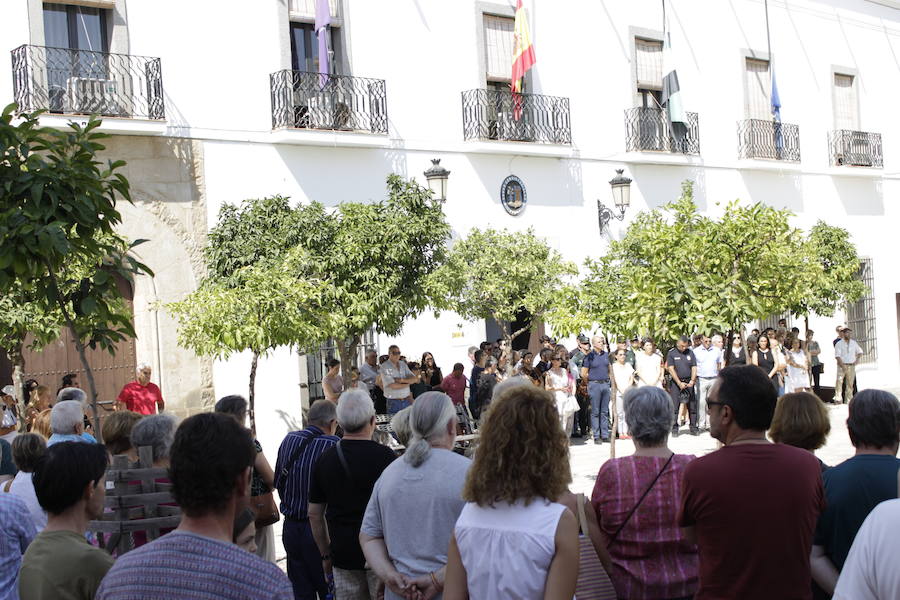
<point x="768" y="140"/>
<point x="855" y="148"/>
<point x="491" y="115"/>
<point x="648" y="130"/>
<point x="305" y="100"/>
<point x="83" y="82"/>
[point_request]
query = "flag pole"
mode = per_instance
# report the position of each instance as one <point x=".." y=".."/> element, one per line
<point x="768" y="39"/>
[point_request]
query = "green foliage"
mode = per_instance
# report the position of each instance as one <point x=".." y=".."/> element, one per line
<point x="496" y="274"/>
<point x="282" y="276"/>
<point x="834" y="264"/>
<point x="677" y="271"/>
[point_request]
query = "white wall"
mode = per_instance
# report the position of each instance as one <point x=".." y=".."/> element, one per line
<point x="216" y="66"/>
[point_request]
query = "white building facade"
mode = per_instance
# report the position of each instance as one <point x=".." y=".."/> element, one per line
<point x="226" y="113"/>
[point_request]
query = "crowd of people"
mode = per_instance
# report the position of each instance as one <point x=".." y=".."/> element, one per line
<point x="418" y="518"/>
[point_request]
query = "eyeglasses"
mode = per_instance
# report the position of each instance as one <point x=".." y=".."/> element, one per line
<point x="395" y="353"/>
<point x="710" y="403"/>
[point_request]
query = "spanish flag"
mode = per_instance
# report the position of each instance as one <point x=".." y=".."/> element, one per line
<point x="523" y="55"/>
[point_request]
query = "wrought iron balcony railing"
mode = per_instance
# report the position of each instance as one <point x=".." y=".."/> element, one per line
<point x="80" y="82"/>
<point x="770" y="140"/>
<point x="648" y="129"/>
<point x="502" y="115"/>
<point x="855" y="148"/>
<point x="334" y="102"/>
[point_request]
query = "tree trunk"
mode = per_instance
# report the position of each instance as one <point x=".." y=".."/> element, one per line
<point x="251" y="400"/>
<point x="805" y="324"/>
<point x="349" y="359"/>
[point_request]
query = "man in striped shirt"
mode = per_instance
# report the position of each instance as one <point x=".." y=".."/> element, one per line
<point x="296" y="458"/>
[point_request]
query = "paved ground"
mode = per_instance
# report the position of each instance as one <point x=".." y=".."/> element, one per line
<point x="586" y="458"/>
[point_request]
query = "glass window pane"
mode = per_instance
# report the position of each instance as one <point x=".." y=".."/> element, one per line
<point x="56" y="26"/>
<point x="89" y="25"/>
<point x="304" y="48"/>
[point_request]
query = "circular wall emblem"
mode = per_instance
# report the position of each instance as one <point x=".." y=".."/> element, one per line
<point x="512" y="195"/>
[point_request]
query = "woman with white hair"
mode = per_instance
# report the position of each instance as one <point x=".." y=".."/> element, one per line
<point x="636" y="499"/>
<point x="141" y="395"/>
<point x="157" y="432"/>
<point x="406" y="530"/>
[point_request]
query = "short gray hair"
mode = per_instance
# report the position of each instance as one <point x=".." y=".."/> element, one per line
<point x="70" y="393"/>
<point x="66" y="415"/>
<point x="400" y="425"/>
<point x="141" y="366"/>
<point x="156" y="431"/>
<point x="321" y="413"/>
<point x="649" y="414"/>
<point x="355" y="410"/>
<point x="428" y="421"/>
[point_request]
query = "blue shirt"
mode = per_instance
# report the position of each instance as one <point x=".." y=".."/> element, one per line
<point x="15" y="535"/>
<point x="597" y="364"/>
<point x="294" y="489"/>
<point x="707" y="361"/>
<point x="852" y="489"/>
<point x="71" y="437"/>
<point x="183" y="565"/>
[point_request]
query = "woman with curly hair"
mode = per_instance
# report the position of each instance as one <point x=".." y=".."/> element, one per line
<point x="512" y="539"/>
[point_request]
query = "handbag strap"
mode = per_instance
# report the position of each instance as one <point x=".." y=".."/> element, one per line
<point x="286" y="470"/>
<point x="641" y="499"/>
<point x="582" y="518"/>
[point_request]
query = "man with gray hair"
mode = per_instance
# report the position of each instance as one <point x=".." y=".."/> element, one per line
<point x="67" y="418"/>
<point x="296" y="457"/>
<point x="141" y="395"/>
<point x="339" y="491"/>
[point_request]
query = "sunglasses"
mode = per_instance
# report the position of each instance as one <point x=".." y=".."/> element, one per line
<point x="710" y="404"/>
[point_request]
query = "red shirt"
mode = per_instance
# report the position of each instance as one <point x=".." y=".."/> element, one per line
<point x="754" y="509"/>
<point x="141" y="398"/>
<point x="455" y="387"/>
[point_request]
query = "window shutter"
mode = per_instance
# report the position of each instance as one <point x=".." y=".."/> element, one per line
<point x="648" y="64"/>
<point x="498" y="47"/>
<point x="758" y="89"/>
<point x="846" y="115"/>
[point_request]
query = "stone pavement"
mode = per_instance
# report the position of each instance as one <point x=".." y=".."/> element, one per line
<point x="586" y="458"/>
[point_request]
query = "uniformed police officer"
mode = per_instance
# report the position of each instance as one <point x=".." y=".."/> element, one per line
<point x="682" y="366"/>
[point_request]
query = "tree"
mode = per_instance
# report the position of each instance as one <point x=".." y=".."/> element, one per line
<point x="372" y="261"/>
<point x="250" y="298"/>
<point x="266" y="311"/>
<point x="58" y="208"/>
<point x="498" y="274"/>
<point x="833" y="266"/>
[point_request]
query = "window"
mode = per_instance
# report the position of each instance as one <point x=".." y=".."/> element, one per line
<point x="498" y="48"/>
<point x="759" y="85"/>
<point x="75" y="27"/>
<point x="861" y="314"/>
<point x="307" y="8"/>
<point x="648" y="71"/>
<point x="846" y="106"/>
<point x="305" y="48"/>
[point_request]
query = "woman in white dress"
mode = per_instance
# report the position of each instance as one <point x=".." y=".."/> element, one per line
<point x="557" y="381"/>
<point x="797" y="379"/>
<point x="648" y="366"/>
<point x="623" y="380"/>
<point x="512" y="539"/>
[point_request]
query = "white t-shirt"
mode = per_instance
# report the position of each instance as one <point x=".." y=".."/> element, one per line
<point x="647" y="367"/>
<point x="847" y="350"/>
<point x="871" y="572"/>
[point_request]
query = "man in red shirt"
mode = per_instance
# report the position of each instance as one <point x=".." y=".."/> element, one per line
<point x="752" y="505"/>
<point x="141" y="396"/>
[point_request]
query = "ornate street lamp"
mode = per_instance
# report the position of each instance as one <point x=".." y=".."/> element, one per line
<point x="621" y="192"/>
<point x="437" y="179"/>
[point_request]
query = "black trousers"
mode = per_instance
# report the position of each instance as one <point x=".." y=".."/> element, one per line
<point x="676" y="393"/>
<point x="582" y="421"/>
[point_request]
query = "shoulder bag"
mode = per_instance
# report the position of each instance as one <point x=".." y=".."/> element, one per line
<point x="593" y="581"/>
<point x="613" y="537"/>
<point x="264" y="505"/>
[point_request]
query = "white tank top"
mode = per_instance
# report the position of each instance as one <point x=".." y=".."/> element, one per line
<point x="507" y="548"/>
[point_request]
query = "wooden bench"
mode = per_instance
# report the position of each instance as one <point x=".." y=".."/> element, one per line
<point x="138" y="502"/>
